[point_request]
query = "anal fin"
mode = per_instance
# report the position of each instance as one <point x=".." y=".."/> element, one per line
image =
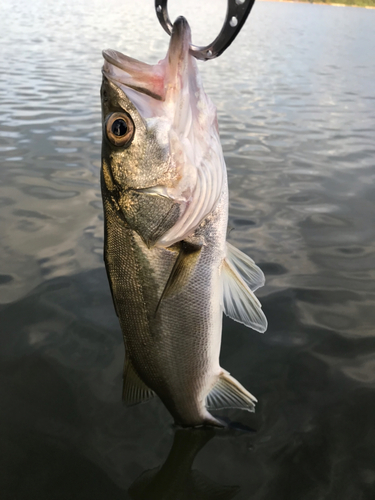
<point x="134" y="390"/>
<point x="229" y="393"/>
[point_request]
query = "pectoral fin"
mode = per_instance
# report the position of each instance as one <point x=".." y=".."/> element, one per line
<point x="240" y="275"/>
<point x="134" y="389"/>
<point x="229" y="393"/>
<point x="181" y="270"/>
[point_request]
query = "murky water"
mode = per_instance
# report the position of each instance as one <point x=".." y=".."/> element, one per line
<point x="296" y="102"/>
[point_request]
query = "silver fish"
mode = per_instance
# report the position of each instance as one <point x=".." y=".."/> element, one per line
<point x="171" y="272"/>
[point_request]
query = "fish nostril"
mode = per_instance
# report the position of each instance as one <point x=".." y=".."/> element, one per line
<point x="240" y="2"/>
<point x="233" y="22"/>
<point x="159" y="8"/>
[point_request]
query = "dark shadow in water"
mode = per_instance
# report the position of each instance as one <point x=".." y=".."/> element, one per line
<point x="42" y="450"/>
<point x="175" y="479"/>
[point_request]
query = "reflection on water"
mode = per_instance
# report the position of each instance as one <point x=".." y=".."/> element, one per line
<point x="296" y="102"/>
<point x="175" y="479"/>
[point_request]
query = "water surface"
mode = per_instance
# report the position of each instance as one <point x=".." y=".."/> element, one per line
<point x="296" y="103"/>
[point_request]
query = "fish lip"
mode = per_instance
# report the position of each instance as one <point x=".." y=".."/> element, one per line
<point x="180" y="42"/>
<point x="180" y="27"/>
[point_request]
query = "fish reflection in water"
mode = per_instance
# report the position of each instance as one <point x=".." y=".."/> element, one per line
<point x="175" y="479"/>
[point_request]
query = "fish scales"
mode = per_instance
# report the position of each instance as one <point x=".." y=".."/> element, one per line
<point x="170" y="364"/>
<point x="171" y="272"/>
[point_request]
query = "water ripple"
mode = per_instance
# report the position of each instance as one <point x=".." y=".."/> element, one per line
<point x="296" y="104"/>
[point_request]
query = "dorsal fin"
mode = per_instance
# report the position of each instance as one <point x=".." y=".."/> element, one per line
<point x="239" y="302"/>
<point x="229" y="393"/>
<point x="134" y="390"/>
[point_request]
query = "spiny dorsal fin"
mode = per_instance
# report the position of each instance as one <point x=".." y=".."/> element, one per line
<point x="245" y="266"/>
<point x="229" y="393"/>
<point x="181" y="270"/>
<point x="134" y="390"/>
<point x="239" y="302"/>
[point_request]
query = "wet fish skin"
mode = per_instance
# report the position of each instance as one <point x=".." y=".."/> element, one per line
<point x="173" y="352"/>
<point x="166" y="272"/>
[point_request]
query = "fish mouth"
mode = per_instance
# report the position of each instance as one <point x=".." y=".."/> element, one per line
<point x="136" y="75"/>
<point x="151" y="80"/>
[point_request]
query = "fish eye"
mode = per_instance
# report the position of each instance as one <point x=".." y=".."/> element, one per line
<point x="120" y="129"/>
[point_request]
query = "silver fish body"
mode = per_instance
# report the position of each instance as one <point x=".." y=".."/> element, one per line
<point x="170" y="269"/>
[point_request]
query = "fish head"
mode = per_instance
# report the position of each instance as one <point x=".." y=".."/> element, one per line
<point x="132" y="156"/>
<point x="160" y="135"/>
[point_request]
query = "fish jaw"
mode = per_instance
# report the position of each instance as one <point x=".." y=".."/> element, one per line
<point x="172" y="107"/>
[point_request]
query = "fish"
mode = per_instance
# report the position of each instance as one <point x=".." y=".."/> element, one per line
<point x="170" y="269"/>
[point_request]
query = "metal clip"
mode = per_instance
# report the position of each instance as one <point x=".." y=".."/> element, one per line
<point x="237" y="13"/>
